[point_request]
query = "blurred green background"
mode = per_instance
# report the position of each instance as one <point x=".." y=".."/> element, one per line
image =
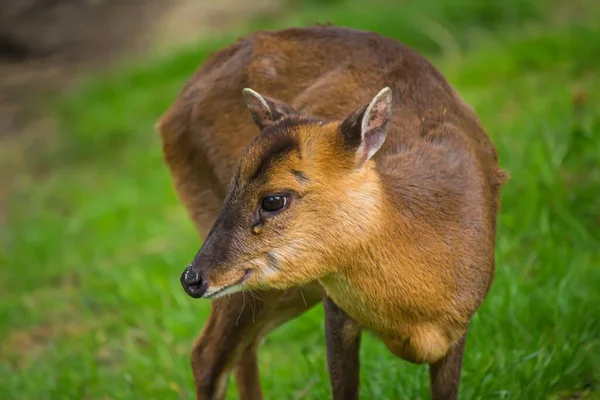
<point x="94" y="239"/>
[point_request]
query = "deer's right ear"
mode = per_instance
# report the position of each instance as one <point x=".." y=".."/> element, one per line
<point x="265" y="111"/>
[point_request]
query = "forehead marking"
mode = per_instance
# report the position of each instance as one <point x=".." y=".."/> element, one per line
<point x="300" y="176"/>
<point x="282" y="138"/>
<point x="282" y="146"/>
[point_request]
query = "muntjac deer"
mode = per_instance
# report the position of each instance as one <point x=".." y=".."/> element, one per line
<point x="336" y="165"/>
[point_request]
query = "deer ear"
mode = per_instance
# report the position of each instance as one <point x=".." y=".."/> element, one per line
<point x="264" y="110"/>
<point x="367" y="127"/>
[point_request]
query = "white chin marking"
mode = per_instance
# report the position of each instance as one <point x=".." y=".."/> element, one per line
<point x="216" y="292"/>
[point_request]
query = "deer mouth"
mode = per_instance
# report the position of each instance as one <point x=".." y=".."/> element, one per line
<point x="220" y="291"/>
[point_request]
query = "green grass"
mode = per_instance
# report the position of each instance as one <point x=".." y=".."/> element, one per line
<point x="95" y="240"/>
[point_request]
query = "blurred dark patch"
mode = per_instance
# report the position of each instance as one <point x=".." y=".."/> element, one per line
<point x="43" y="43"/>
<point x="12" y="50"/>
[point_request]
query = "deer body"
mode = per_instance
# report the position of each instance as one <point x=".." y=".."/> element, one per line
<point x="384" y="206"/>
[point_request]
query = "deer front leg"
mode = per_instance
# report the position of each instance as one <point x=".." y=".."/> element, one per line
<point x="343" y="345"/>
<point x="233" y="333"/>
<point x="220" y="345"/>
<point x="445" y="373"/>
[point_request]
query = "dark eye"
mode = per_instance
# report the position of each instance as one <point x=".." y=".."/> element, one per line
<point x="273" y="203"/>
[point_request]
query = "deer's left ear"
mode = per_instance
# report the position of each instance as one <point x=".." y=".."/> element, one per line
<point x="264" y="110"/>
<point x="367" y="127"/>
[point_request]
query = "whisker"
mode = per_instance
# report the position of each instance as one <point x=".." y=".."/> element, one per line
<point x="303" y="298"/>
<point x="242" y="310"/>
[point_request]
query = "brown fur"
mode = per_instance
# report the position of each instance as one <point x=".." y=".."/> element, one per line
<point x="343" y="344"/>
<point x="403" y="244"/>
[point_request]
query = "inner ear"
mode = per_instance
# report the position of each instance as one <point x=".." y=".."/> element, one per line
<point x="265" y="110"/>
<point x="366" y="128"/>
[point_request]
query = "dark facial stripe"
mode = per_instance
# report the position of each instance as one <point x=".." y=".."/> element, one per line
<point x="301" y="177"/>
<point x="282" y="140"/>
<point x="281" y="146"/>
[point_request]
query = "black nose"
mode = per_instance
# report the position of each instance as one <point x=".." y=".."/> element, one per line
<point x="193" y="283"/>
